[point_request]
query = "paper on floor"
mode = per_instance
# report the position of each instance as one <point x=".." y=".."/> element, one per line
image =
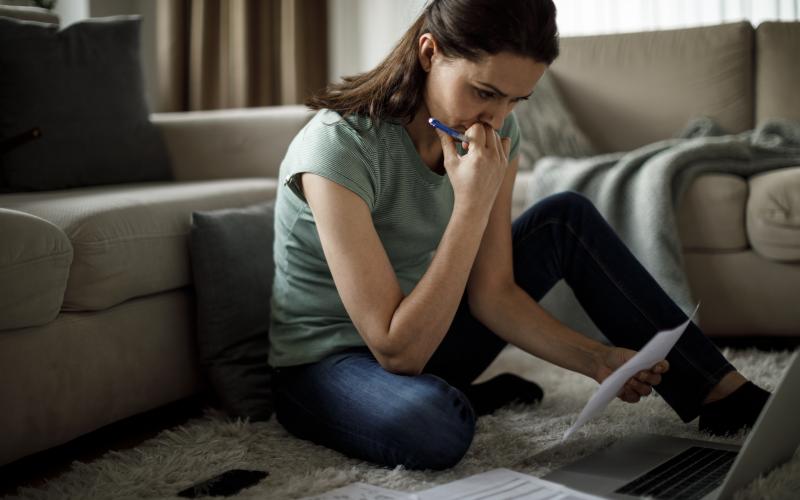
<point x="362" y="491"/>
<point x="497" y="484"/>
<point x="502" y="484"/>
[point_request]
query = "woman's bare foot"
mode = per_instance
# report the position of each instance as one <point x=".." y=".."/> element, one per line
<point x="729" y="383"/>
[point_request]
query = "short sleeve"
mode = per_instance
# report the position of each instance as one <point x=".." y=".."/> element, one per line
<point x="511" y="129"/>
<point x="330" y="147"/>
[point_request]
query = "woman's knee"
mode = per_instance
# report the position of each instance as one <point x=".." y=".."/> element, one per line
<point x="567" y="201"/>
<point x="419" y="422"/>
<point x="436" y="430"/>
<point x="560" y="207"/>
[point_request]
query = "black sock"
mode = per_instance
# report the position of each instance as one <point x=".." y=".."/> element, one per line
<point x="501" y="390"/>
<point x="735" y="411"/>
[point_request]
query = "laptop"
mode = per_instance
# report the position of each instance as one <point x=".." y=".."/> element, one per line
<point x="670" y="467"/>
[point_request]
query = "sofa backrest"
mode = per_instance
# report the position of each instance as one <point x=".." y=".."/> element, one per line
<point x="627" y="90"/>
<point x="230" y="143"/>
<point x="777" y="93"/>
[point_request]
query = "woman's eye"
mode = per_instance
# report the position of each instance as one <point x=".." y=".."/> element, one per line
<point x="484" y="94"/>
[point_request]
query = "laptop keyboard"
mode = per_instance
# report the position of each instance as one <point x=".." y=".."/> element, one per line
<point x="691" y="474"/>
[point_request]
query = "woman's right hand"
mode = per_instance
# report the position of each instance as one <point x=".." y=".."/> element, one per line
<point x="476" y="177"/>
<point x="638" y="386"/>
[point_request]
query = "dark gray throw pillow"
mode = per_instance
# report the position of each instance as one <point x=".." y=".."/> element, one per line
<point x="231" y="254"/>
<point x="72" y="106"/>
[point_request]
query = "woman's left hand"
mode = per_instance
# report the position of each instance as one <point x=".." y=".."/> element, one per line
<point x="639" y="385"/>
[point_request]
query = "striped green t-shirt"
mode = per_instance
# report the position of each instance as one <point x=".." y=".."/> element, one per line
<point x="410" y="205"/>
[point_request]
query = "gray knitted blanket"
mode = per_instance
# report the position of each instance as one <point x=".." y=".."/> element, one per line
<point x="638" y="191"/>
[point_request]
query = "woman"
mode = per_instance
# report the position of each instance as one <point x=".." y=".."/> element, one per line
<point x="399" y="276"/>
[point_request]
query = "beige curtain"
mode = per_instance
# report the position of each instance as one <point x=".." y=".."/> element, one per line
<point x="214" y="54"/>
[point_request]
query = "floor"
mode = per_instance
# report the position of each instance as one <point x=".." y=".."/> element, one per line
<point x="36" y="469"/>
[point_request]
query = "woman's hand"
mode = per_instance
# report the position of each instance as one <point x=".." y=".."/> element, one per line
<point x="637" y="386"/>
<point x="476" y="177"/>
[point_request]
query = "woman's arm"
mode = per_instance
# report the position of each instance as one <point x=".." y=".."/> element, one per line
<point x="506" y="309"/>
<point x="404" y="331"/>
<point x="497" y="302"/>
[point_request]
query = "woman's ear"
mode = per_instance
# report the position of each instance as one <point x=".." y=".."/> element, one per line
<point x="427" y="48"/>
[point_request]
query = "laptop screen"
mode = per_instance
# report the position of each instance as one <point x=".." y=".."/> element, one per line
<point x="775" y="436"/>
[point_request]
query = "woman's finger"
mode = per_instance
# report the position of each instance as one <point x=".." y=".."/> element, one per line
<point x="506" y="147"/>
<point x="661" y="367"/>
<point x="492" y="138"/>
<point x="649" y="377"/>
<point x="477" y="134"/>
<point x="448" y="147"/>
<point x="639" y="387"/>
<point x="629" y="396"/>
<point x="492" y="141"/>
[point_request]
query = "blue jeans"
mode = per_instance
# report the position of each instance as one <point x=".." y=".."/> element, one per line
<point x="349" y="403"/>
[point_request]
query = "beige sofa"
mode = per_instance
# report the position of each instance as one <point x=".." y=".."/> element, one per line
<point x="741" y="237"/>
<point x="96" y="301"/>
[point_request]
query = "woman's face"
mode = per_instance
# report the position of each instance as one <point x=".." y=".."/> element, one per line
<point x="460" y="93"/>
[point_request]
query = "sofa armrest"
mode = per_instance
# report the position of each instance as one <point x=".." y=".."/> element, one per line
<point x="773" y="214"/>
<point x="229" y="143"/>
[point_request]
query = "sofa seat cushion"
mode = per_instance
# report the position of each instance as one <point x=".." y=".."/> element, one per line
<point x="35" y="257"/>
<point x="711" y="213"/>
<point x="773" y="214"/>
<point x="132" y="240"/>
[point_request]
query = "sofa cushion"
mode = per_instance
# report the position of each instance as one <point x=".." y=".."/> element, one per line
<point x="249" y="142"/>
<point x="132" y="240"/>
<point x="35" y="257"/>
<point x="231" y="252"/>
<point x="72" y="106"/>
<point x="83" y="371"/>
<point x="777" y="71"/>
<point x="627" y="90"/>
<point x="773" y="214"/>
<point x="744" y="294"/>
<point x="711" y="213"/>
<point x="547" y="127"/>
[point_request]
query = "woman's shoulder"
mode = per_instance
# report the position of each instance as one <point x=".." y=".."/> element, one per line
<point x="332" y="124"/>
<point x="329" y="136"/>
<point x="333" y="147"/>
<point x="329" y="133"/>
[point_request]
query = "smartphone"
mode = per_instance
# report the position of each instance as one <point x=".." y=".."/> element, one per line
<point x="228" y="483"/>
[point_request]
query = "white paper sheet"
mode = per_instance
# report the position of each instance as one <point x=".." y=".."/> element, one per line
<point x="654" y="351"/>
<point x="497" y="484"/>
<point x="362" y="491"/>
<point x="502" y="484"/>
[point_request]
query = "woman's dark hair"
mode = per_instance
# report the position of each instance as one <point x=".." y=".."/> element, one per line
<point x="469" y="29"/>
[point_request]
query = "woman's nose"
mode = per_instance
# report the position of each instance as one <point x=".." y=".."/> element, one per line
<point x="494" y="120"/>
<point x="495" y="116"/>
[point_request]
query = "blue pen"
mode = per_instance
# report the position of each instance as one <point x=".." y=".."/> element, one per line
<point x="433" y="122"/>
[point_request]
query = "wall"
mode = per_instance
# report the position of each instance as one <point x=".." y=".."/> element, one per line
<point x="70" y="11"/>
<point x="362" y="32"/>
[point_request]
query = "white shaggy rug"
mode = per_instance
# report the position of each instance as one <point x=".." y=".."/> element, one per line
<point x="521" y="438"/>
